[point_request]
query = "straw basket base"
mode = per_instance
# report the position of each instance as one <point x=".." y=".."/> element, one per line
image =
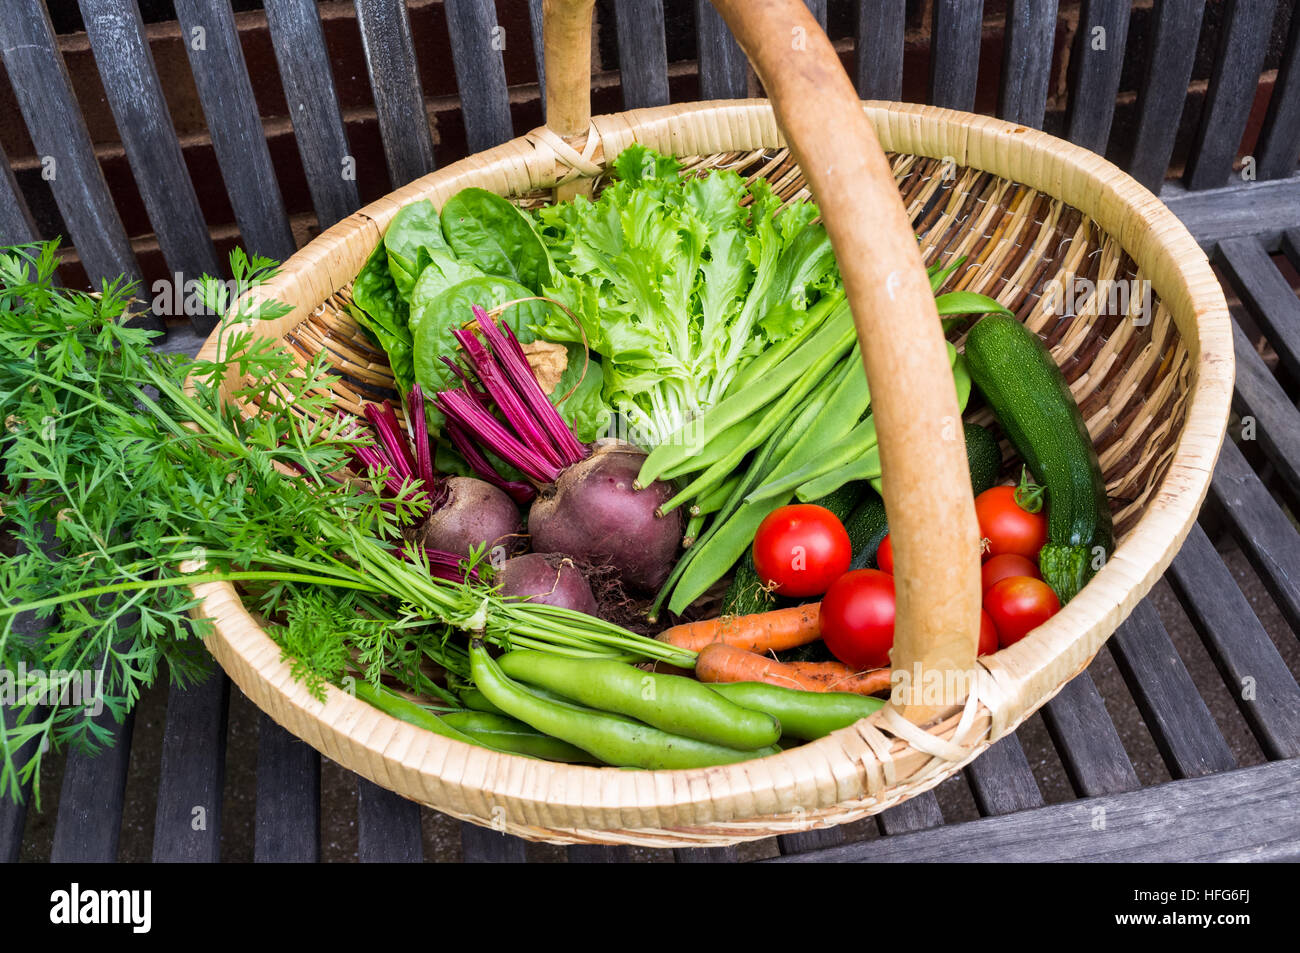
<point x="1040" y="222"/>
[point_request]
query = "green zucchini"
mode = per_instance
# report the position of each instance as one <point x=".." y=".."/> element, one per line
<point x="984" y="456"/>
<point x="866" y="527"/>
<point x="1033" y="403"/>
<point x="746" y="594"/>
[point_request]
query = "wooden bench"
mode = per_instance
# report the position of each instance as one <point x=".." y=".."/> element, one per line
<point x="1212" y="808"/>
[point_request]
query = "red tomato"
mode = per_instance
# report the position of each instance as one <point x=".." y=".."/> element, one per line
<point x="1007" y="526"/>
<point x="857" y="618"/>
<point x="802" y="549"/>
<point x="1019" y="604"/>
<point x="885" y="556"/>
<point x="1008" y="564"/>
<point x="988" y="635"/>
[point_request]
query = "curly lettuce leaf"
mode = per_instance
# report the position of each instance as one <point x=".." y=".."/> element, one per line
<point x="678" y="281"/>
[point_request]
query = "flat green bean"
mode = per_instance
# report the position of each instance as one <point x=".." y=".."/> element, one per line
<point x="672" y="703"/>
<point x="804" y="715"/>
<point x="614" y="739"/>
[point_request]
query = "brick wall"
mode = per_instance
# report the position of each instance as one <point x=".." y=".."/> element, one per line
<point x="433" y="54"/>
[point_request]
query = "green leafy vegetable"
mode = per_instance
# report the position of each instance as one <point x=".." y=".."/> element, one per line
<point x="491" y="233"/>
<point x="150" y="483"/>
<point x="380" y="309"/>
<point x="679" y="281"/>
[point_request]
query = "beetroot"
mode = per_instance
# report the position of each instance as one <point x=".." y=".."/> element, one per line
<point x="471" y="513"/>
<point x="591" y="512"/>
<point x="548" y="578"/>
<point x="463" y="513"/>
<point x="586" y="506"/>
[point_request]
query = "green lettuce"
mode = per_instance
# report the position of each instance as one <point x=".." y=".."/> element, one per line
<point x="678" y="282"/>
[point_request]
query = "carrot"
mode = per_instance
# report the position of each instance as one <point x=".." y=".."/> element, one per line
<point x="838" y="677"/>
<point x="771" y="631"/>
<point x="719" y="662"/>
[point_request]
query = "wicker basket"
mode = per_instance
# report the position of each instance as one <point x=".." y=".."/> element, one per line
<point x="1030" y="212"/>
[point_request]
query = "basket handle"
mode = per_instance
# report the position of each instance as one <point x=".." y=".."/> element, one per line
<point x="927" y="487"/>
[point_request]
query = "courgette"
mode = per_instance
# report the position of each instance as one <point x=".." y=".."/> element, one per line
<point x="1031" y="400"/>
<point x="984" y="457"/>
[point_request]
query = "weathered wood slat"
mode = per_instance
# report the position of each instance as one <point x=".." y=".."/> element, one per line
<point x="480" y="845"/>
<point x="41" y="85"/>
<point x="599" y="854"/>
<point x="89" y="821"/>
<point x="955" y="53"/>
<point x="135" y="98"/>
<point x="1095" y="66"/>
<point x="535" y="20"/>
<point x="226" y="95"/>
<point x="878" y="49"/>
<point x="705" y="855"/>
<point x="1090" y="748"/>
<point x="1261" y="210"/>
<point x="818" y="10"/>
<point x="1291" y="246"/>
<point x="286" y="823"/>
<point x="1267" y="412"/>
<point x="724" y="70"/>
<point x="642" y="52"/>
<point x="16" y="224"/>
<point x="1176" y="25"/>
<point x="308" y="80"/>
<point x="1255" y="672"/>
<point x="187" y="821"/>
<point x="1027" y="61"/>
<point x="1002" y="780"/>
<point x="388" y="826"/>
<point x="818" y="838"/>
<point x="1243" y="815"/>
<point x="480" y="72"/>
<point x="395" y="82"/>
<point x="1261" y="528"/>
<point x="1184" y="731"/>
<point x="1242" y="46"/>
<point x="1267" y="295"/>
<point x="915" y="814"/>
<point x="1279" y="139"/>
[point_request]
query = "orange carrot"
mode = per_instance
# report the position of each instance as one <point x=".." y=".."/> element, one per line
<point x="771" y="631"/>
<point x="719" y="662"/>
<point x="838" y="677"/>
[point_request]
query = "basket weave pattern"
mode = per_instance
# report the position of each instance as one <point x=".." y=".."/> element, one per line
<point x="1030" y="214"/>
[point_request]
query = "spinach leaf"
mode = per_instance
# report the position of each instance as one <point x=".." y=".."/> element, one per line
<point x="380" y="310"/>
<point x="484" y="229"/>
<point x="442" y="272"/>
<point x="413" y="236"/>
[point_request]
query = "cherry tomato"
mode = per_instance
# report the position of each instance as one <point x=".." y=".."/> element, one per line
<point x="801" y="549"/>
<point x="1019" y="604"/>
<point x="1008" y="564"/>
<point x="1007" y="526"/>
<point x="988" y="635"/>
<point x="857" y="618"/>
<point x="885" y="556"/>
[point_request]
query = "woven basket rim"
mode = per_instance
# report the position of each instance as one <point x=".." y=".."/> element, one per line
<point x="860" y="769"/>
